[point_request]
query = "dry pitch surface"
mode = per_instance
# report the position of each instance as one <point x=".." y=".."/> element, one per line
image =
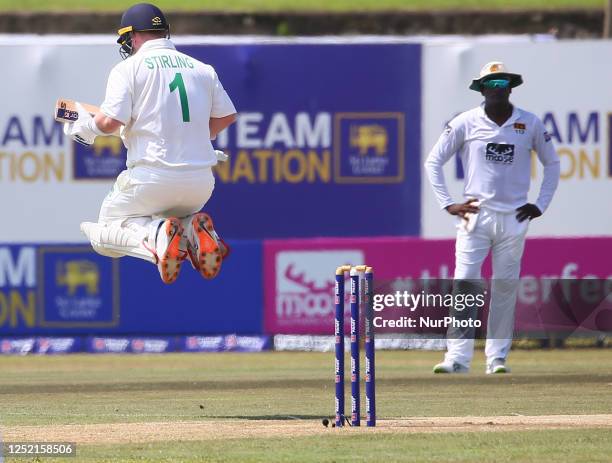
<point x="268" y="407"/>
<point x="122" y="433"/>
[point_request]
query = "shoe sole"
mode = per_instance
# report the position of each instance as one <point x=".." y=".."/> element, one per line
<point x="441" y="371"/>
<point x="223" y="247"/>
<point x="498" y="371"/>
<point x="169" y="264"/>
<point x="209" y="255"/>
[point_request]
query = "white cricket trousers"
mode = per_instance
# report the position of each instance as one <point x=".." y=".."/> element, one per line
<point x="504" y="236"/>
<point x="142" y="196"/>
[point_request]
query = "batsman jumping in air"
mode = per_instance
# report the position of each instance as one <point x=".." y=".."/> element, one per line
<point x="167" y="106"/>
<point x="494" y="142"/>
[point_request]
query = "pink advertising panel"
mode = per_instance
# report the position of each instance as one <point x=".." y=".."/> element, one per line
<point x="299" y="275"/>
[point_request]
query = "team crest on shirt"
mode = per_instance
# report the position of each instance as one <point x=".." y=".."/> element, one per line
<point x="519" y="128"/>
<point x="500" y="153"/>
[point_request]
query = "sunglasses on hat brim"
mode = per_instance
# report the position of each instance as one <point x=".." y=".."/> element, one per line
<point x="496" y="83"/>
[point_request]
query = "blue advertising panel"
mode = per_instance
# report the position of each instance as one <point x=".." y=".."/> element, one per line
<point x="104" y="160"/>
<point x="327" y="142"/>
<point x="57" y="290"/>
<point x="231" y="303"/>
<point x="76" y="288"/>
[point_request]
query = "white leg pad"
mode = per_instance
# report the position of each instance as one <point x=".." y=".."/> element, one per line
<point x="115" y="241"/>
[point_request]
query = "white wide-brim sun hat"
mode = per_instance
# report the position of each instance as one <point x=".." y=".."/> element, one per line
<point x="496" y="69"/>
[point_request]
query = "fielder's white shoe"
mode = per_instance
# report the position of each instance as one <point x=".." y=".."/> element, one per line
<point x="497" y="366"/>
<point x="450" y="367"/>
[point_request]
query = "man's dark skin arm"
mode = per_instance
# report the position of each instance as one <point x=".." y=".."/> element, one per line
<point x="528" y="211"/>
<point x="462" y="209"/>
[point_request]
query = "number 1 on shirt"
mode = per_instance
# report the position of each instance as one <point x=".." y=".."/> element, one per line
<point x="178" y="83"/>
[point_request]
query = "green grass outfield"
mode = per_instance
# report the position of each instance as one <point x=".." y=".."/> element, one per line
<point x="555" y="406"/>
<point x="300" y="5"/>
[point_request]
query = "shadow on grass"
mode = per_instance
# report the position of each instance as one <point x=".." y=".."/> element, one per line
<point x="268" y="417"/>
<point x="303" y="383"/>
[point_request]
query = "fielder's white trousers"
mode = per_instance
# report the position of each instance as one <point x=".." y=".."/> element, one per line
<point x="504" y="236"/>
<point x="141" y="197"/>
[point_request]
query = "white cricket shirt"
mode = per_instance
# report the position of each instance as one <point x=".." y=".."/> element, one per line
<point x="165" y="99"/>
<point x="496" y="160"/>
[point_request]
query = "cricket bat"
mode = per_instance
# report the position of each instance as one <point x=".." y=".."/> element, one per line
<point x="66" y="111"/>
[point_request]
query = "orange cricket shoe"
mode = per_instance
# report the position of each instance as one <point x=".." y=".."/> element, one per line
<point x="167" y="249"/>
<point x="204" y="248"/>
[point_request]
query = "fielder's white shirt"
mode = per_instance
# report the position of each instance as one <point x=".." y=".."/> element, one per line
<point x="165" y="99"/>
<point x="496" y="160"/>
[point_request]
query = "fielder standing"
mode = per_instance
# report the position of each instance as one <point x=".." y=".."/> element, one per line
<point x="494" y="142"/>
<point x="168" y="107"/>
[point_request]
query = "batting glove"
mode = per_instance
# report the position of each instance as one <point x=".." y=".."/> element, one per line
<point x="84" y="130"/>
<point x="221" y="156"/>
